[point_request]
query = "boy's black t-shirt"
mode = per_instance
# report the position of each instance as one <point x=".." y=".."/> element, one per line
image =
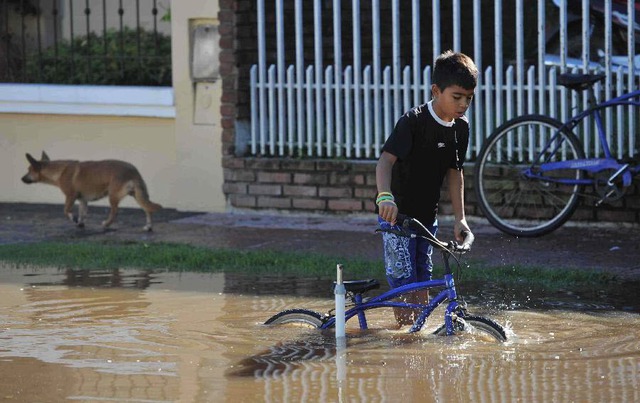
<point x="426" y="147"/>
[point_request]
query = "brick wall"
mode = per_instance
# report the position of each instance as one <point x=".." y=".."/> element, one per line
<point x="300" y="185"/>
<point x="340" y="187"/>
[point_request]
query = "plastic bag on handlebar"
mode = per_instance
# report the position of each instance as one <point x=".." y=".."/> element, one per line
<point x="465" y="246"/>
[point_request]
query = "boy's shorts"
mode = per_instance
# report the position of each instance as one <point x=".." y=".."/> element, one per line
<point x="406" y="260"/>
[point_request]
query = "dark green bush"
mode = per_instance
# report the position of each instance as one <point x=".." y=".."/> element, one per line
<point x="127" y="57"/>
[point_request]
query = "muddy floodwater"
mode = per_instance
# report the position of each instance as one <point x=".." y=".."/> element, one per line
<point x="139" y="336"/>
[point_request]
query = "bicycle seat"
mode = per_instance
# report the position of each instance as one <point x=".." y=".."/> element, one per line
<point x="360" y="286"/>
<point x="579" y="81"/>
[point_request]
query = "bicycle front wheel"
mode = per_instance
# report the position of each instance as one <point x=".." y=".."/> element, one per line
<point x="476" y="324"/>
<point x="297" y="317"/>
<point x="538" y="202"/>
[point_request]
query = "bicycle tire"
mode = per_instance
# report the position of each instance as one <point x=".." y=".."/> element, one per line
<point x="519" y="205"/>
<point x="478" y="324"/>
<point x="298" y="317"/>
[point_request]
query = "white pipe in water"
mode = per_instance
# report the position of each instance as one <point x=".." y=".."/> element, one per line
<point x="340" y="293"/>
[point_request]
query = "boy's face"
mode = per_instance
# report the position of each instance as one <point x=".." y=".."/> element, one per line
<point x="451" y="103"/>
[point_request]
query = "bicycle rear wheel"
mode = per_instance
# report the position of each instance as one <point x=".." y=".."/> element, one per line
<point x="477" y="324"/>
<point x="522" y="205"/>
<point x="297" y="317"/>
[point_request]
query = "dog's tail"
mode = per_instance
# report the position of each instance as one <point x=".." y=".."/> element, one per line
<point x="142" y="197"/>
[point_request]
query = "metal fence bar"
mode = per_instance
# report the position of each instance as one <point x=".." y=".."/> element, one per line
<point x="509" y="107"/>
<point x="328" y="89"/>
<point x="348" y="112"/>
<point x="386" y="90"/>
<point x="426" y="86"/>
<point x="597" y="88"/>
<point x="366" y="87"/>
<point x="620" y="127"/>
<point x="553" y="93"/>
<point x="337" y="63"/>
<point x="489" y="94"/>
<point x="416" y="54"/>
<point x="262" y="75"/>
<point x="435" y="22"/>
<point x="498" y="60"/>
<point x="309" y="114"/>
<point x="395" y="62"/>
<point x="406" y="89"/>
<point x="631" y="51"/>
<point x="317" y="45"/>
<point x="253" y="73"/>
<point x="608" y="124"/>
<point x="357" y="76"/>
<point x="281" y="73"/>
<point x="299" y="74"/>
<point x="586" y="28"/>
<point x="531" y="93"/>
<point x="542" y="29"/>
<point x="291" y="122"/>
<point x="272" y="112"/>
<point x="456" y="26"/>
<point x="520" y="56"/>
<point x="478" y="106"/>
<point x="375" y="25"/>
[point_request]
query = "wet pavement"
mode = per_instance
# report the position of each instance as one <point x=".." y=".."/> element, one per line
<point x="613" y="248"/>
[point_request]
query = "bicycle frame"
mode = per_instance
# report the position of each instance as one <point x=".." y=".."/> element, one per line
<point x="587" y="164"/>
<point x="384" y="301"/>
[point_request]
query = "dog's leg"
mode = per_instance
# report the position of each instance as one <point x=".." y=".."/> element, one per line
<point x="141" y="195"/>
<point x="68" y="210"/>
<point x="83" y="207"/>
<point x="148" y="227"/>
<point x="114" y="200"/>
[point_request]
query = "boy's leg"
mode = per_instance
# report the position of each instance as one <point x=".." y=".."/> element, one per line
<point x="399" y="267"/>
<point x="424" y="267"/>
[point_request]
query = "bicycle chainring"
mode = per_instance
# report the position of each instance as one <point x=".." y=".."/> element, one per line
<point x="608" y="192"/>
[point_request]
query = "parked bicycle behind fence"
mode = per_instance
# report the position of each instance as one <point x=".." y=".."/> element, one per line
<point x="532" y="170"/>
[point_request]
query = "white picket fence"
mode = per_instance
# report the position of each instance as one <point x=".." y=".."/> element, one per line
<point x="347" y="110"/>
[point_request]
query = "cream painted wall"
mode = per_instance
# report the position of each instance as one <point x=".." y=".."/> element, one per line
<point x="180" y="161"/>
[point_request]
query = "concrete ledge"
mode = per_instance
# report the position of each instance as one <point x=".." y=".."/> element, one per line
<point x="87" y="100"/>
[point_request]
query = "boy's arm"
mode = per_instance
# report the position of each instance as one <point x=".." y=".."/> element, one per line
<point x="386" y="209"/>
<point x="456" y="194"/>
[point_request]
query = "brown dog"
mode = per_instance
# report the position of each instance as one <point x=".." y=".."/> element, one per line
<point x="92" y="180"/>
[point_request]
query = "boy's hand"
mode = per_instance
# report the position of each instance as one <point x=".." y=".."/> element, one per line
<point x="459" y="227"/>
<point x="388" y="211"/>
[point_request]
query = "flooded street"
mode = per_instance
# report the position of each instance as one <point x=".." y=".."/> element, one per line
<point x="158" y="337"/>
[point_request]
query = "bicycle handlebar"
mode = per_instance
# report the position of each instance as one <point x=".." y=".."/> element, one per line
<point x="453" y="246"/>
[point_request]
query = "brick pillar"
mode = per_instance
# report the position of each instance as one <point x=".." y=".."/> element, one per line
<point x="228" y="74"/>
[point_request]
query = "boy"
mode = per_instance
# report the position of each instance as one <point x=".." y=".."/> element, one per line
<point x="428" y="143"/>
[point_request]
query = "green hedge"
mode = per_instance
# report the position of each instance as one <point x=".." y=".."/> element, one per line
<point x="127" y="57"/>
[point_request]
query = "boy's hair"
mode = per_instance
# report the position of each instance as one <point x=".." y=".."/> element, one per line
<point x="454" y="68"/>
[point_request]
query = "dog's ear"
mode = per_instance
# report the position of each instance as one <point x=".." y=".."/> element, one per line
<point x="34" y="162"/>
<point x="44" y="157"/>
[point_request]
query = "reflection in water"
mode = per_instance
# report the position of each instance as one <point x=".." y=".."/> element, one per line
<point x="568" y="357"/>
<point x="196" y="337"/>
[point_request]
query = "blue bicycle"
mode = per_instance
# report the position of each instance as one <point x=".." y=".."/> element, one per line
<point x="531" y="171"/>
<point x="456" y="317"/>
